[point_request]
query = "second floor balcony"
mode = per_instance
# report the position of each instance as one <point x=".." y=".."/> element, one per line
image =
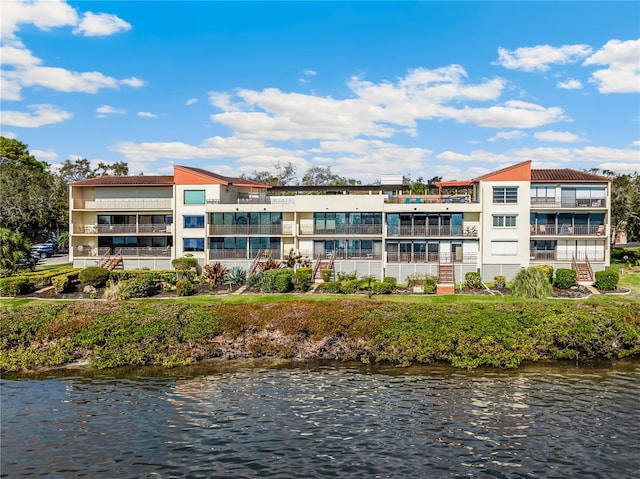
<point x="130" y="204"/>
<point x="433" y="231"/>
<point x="553" y="203"/>
<point x="361" y="230"/>
<point x="160" y="228"/>
<point x="567" y="230"/>
<point x="250" y="230"/>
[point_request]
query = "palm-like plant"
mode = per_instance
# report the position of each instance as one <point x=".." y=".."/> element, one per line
<point x="215" y="273"/>
<point x="13" y="246"/>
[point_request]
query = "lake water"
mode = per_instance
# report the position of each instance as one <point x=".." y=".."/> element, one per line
<point x="324" y="420"/>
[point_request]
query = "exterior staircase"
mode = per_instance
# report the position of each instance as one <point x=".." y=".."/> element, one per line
<point x="111" y="262"/>
<point x="321" y="263"/>
<point x="583" y="270"/>
<point x="446" y="279"/>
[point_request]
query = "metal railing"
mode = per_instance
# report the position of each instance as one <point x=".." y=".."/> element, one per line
<point x="247" y="230"/>
<point x="577" y="203"/>
<point x="464" y="258"/>
<point x="541" y="230"/>
<point x="568" y="256"/>
<point x="87" y="251"/>
<point x="424" y="231"/>
<point x="122" y="229"/>
<point x="417" y="199"/>
<point x="346" y="254"/>
<point x="218" y="254"/>
<point x="123" y="204"/>
<point x="343" y="230"/>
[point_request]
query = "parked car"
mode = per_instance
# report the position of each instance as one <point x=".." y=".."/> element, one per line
<point x="43" y="250"/>
<point x="26" y="264"/>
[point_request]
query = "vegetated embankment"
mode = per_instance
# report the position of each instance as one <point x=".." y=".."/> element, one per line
<point x="110" y="334"/>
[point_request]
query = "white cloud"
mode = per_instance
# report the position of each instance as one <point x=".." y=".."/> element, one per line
<point x="376" y="109"/>
<point x="623" y="72"/>
<point x="541" y="57"/>
<point x="191" y="101"/>
<point x="47" y="155"/>
<point x="557" y="136"/>
<point x="42" y="115"/>
<point x="104" y="110"/>
<point x="101" y="24"/>
<point x="44" y="14"/>
<point x="21" y="69"/>
<point x="9" y="134"/>
<point x="508" y="135"/>
<point x="621" y="167"/>
<point x="569" y="84"/>
<point x="147" y="114"/>
<point x="605" y="154"/>
<point x="636" y="143"/>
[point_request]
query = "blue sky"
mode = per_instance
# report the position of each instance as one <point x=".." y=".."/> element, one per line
<point x="453" y="89"/>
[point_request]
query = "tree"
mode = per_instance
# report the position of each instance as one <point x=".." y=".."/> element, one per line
<point x="322" y="176"/>
<point x="81" y="169"/>
<point x="283" y="176"/>
<point x="26" y="187"/>
<point x="13" y="246"/>
<point x="625" y="206"/>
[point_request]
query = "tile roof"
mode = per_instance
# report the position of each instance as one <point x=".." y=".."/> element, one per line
<point x="566" y="175"/>
<point x="225" y="179"/>
<point x="140" y="180"/>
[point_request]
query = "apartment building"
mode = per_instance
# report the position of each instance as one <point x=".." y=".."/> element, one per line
<point x="496" y="224"/>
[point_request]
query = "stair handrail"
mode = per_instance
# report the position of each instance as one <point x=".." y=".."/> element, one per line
<point x="586" y="260"/>
<point x="316" y="267"/>
<point x="255" y="262"/>
<point x="105" y="258"/>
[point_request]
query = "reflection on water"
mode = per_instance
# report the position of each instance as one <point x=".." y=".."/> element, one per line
<point x="325" y="420"/>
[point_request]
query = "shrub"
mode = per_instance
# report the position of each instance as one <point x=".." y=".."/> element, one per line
<point x="332" y="286"/>
<point x="326" y="274"/>
<point x="267" y="282"/>
<point x="16" y="285"/>
<point x="531" y="283"/>
<point x="270" y="264"/>
<point x="381" y="287"/>
<point x="606" y="280"/>
<point x="253" y="281"/>
<point x="237" y="276"/>
<point x="94" y="276"/>
<point x="391" y="280"/>
<point x="350" y="286"/>
<point x="167" y="275"/>
<point x="414" y="279"/>
<point x="430" y="283"/>
<point x="342" y="276"/>
<point x="184" y="287"/>
<point x="547" y="269"/>
<point x="302" y="279"/>
<point x="499" y="281"/>
<point x="112" y="290"/>
<point x="283" y="281"/>
<point x="473" y="280"/>
<point x="215" y="273"/>
<point x="184" y="263"/>
<point x="61" y="283"/>
<point x="565" y="278"/>
<point x="139" y="287"/>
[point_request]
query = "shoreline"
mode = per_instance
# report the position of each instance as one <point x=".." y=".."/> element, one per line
<point x="105" y="335"/>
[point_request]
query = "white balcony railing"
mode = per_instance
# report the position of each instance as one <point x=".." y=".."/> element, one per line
<point x="124" y="204"/>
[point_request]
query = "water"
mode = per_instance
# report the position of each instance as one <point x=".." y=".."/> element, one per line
<point x="308" y="420"/>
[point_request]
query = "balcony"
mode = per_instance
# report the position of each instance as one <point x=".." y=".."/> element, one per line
<point x="463" y="258"/>
<point x="566" y="230"/>
<point x="142" y="251"/>
<point x="266" y="200"/>
<point x="372" y="230"/>
<point x="249" y="230"/>
<point x="162" y="228"/>
<point x="433" y="231"/>
<point x="552" y="203"/>
<point x="218" y="254"/>
<point x="430" y="199"/>
<point x="564" y="256"/>
<point x="124" y="204"/>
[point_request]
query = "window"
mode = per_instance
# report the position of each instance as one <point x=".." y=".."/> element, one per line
<point x="194" y="197"/>
<point x="504" y="248"/>
<point x="504" y="221"/>
<point x="194" y="221"/>
<point x="193" y="244"/>
<point x="505" y="194"/>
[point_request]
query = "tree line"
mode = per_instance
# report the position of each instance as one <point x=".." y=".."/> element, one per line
<point x="34" y="200"/>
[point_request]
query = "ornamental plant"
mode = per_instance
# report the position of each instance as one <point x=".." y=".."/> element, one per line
<point x="184" y="287"/>
<point x="94" y="276"/>
<point x="565" y="278"/>
<point x="606" y="280"/>
<point x="531" y="283"/>
<point x="473" y="280"/>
